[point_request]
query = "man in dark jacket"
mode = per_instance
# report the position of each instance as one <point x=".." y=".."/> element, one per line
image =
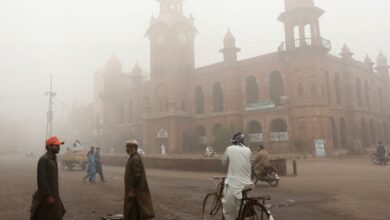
<point x="47" y="204"/>
<point x="98" y="162"/>
<point x="137" y="202"/>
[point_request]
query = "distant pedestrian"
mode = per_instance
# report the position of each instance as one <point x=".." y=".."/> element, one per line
<point x="137" y="200"/>
<point x="91" y="167"/>
<point x="46" y="203"/>
<point x="163" y="150"/>
<point x="99" y="167"/>
<point x="381" y="152"/>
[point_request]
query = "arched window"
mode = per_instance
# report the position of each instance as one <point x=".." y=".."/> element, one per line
<point x="343" y="133"/>
<point x="334" y="133"/>
<point x="254" y="132"/>
<point x="251" y="90"/>
<point x="279" y="130"/>
<point x="254" y="127"/>
<point x="337" y="88"/>
<point x="365" y="134"/>
<point x="276" y="87"/>
<point x="373" y="132"/>
<point x="359" y="92"/>
<point x="313" y="89"/>
<point x="217" y="97"/>
<point x="199" y="100"/>
<point x="121" y="114"/>
<point x="130" y="111"/>
<point x="300" y="89"/>
<point x="367" y="95"/>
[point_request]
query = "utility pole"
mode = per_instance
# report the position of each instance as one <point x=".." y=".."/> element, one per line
<point x="51" y="94"/>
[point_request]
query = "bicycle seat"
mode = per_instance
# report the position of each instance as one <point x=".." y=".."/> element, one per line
<point x="247" y="189"/>
<point x="219" y="177"/>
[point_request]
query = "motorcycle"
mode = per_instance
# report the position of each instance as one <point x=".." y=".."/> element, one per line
<point x="269" y="175"/>
<point x="376" y="160"/>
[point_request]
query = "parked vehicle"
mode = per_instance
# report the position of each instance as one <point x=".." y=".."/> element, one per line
<point x="74" y="158"/>
<point x="268" y="175"/>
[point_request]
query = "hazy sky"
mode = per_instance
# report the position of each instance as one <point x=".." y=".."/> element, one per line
<point x="71" y="39"/>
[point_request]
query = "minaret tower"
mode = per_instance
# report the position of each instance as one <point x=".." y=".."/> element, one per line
<point x="301" y="25"/>
<point x="382" y="67"/>
<point x="229" y="50"/>
<point x="171" y="37"/>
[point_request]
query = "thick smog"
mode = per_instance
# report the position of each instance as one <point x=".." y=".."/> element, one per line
<point x="188" y="110"/>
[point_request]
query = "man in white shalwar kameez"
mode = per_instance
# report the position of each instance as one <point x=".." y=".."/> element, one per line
<point x="238" y="177"/>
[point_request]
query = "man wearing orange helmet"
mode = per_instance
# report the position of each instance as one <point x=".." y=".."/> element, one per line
<point x="47" y="204"/>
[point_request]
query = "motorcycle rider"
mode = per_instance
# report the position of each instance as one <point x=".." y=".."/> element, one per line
<point x="381" y="152"/>
<point x="261" y="160"/>
<point x="237" y="156"/>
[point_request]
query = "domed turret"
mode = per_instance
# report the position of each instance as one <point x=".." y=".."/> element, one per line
<point x="113" y="65"/>
<point x="137" y="70"/>
<point x="346" y="52"/>
<point x="229" y="40"/>
<point x="381" y="60"/>
<point x="369" y="62"/>
<point x="229" y="50"/>
<point x="382" y="67"/>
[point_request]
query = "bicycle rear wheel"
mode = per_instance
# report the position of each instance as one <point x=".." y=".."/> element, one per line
<point x="253" y="210"/>
<point x="212" y="207"/>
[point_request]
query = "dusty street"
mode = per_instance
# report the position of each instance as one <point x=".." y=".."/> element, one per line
<point x="337" y="189"/>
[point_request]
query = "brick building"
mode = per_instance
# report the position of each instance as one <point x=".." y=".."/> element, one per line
<point x="285" y="99"/>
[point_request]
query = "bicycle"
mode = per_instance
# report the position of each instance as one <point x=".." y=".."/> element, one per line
<point x="250" y="207"/>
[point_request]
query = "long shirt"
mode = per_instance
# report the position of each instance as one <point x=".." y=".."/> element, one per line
<point x="47" y="175"/>
<point x="239" y="171"/>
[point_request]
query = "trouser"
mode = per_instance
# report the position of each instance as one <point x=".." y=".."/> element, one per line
<point x="99" y="170"/>
<point x="231" y="205"/>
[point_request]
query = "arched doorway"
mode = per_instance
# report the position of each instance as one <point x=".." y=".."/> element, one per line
<point x="334" y="133"/>
<point x="199" y="100"/>
<point x="373" y="132"/>
<point x="343" y="133"/>
<point x="163" y="139"/>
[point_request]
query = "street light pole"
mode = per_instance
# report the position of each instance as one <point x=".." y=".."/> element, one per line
<point x="51" y="94"/>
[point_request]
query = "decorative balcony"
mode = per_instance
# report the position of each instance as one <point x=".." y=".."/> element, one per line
<point x="306" y="43"/>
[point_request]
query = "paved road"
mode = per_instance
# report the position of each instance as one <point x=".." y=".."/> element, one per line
<point x="325" y="189"/>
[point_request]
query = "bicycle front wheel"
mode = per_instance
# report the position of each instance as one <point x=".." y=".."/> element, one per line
<point x="253" y="210"/>
<point x="212" y="207"/>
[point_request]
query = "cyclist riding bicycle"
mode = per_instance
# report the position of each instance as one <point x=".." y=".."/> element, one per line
<point x="237" y="156"/>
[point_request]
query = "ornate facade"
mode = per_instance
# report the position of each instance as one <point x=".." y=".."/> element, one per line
<point x="285" y="99"/>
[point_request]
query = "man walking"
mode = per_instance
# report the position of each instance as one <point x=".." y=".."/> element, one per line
<point x="99" y="168"/>
<point x="137" y="202"/>
<point x="381" y="152"/>
<point x="47" y="204"/>
<point x="237" y="156"/>
<point x="91" y="166"/>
